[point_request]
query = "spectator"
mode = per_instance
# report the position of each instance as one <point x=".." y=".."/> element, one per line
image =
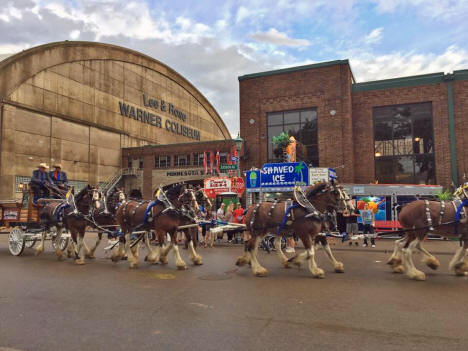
<point x="352" y="225"/>
<point x="220" y="213"/>
<point x="368" y="220"/>
<point x="229" y="217"/>
<point x="238" y="213"/>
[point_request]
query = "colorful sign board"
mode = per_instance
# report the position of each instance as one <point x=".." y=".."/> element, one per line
<point x="318" y="174"/>
<point x="217" y="185"/>
<point x="282" y="175"/>
<point x="376" y="203"/>
<point x="252" y="181"/>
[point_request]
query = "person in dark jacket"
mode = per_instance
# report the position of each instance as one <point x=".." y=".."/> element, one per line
<point x="59" y="177"/>
<point x="39" y="181"/>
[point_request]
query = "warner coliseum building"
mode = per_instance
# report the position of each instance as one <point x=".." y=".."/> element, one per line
<point x="81" y="103"/>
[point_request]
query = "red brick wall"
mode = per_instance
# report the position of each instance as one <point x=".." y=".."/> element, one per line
<point x="362" y="104"/>
<point x="460" y="101"/>
<point x="326" y="88"/>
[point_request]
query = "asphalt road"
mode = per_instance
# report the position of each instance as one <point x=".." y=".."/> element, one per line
<point x="50" y="305"/>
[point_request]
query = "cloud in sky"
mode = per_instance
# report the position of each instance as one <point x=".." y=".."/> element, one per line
<point x="374" y="37"/>
<point x="273" y="36"/>
<point x="213" y="42"/>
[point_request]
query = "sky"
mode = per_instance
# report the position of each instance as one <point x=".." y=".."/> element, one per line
<point x="213" y="42"/>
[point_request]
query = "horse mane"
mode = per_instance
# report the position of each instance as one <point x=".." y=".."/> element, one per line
<point x="313" y="190"/>
<point x="80" y="195"/>
<point x="174" y="191"/>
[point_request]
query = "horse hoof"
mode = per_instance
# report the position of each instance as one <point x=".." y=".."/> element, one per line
<point x="37" y="252"/>
<point x="133" y="265"/>
<point x="432" y="263"/>
<point x="60" y="258"/>
<point x="116" y="258"/>
<point x="419" y="276"/>
<point x="394" y="261"/>
<point x="163" y="260"/>
<point x="339" y="268"/>
<point x="80" y="262"/>
<point x="241" y="261"/>
<point x="261" y="273"/>
<point x="90" y="257"/>
<point x="319" y="273"/>
<point x="197" y="261"/>
<point x="461" y="269"/>
<point x="286" y="264"/>
<point x="182" y="267"/>
<point x="398" y="269"/>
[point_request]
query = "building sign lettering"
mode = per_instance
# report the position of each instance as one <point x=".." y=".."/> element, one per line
<point x="157" y="121"/>
<point x="190" y="172"/>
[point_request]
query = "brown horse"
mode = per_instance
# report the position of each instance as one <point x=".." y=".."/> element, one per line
<point x="266" y="218"/>
<point x="416" y="215"/>
<point x="162" y="216"/>
<point x="103" y="219"/>
<point x="68" y="214"/>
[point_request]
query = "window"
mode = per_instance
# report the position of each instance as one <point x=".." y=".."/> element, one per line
<point x="140" y="163"/>
<point x="162" y="161"/>
<point x="181" y="160"/>
<point x="223" y="158"/>
<point x="404" y="144"/>
<point x="302" y="124"/>
<point x="198" y="159"/>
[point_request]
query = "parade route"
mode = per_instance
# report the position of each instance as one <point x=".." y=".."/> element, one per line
<point x="50" y="305"/>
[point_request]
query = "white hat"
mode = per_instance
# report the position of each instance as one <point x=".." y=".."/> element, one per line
<point x="44" y="165"/>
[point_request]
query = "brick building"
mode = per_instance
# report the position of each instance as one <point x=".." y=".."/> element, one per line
<point x="403" y="130"/>
<point x="173" y="163"/>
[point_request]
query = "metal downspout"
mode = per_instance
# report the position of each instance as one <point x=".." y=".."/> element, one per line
<point x="453" y="144"/>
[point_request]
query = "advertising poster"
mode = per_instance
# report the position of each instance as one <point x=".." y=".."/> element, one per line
<point x="376" y="203"/>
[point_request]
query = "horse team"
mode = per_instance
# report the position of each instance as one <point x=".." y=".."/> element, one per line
<point x="178" y="209"/>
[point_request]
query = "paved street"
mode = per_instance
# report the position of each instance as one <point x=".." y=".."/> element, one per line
<point x="50" y="305"/>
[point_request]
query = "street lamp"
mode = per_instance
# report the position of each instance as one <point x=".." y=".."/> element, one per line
<point x="238" y="141"/>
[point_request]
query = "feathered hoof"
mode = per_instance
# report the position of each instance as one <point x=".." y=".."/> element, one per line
<point x="319" y="273"/>
<point x="285" y="264"/>
<point x="398" y="269"/>
<point x="90" y="256"/>
<point x="461" y="269"/>
<point x="80" y="262"/>
<point x="339" y="267"/>
<point x="134" y="265"/>
<point x="419" y="276"/>
<point x="433" y="263"/>
<point x="163" y="259"/>
<point x="182" y="267"/>
<point x="261" y="273"/>
<point x="241" y="261"/>
<point x="197" y="261"/>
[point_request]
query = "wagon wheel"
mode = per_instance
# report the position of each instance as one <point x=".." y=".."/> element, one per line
<point x="63" y="244"/>
<point x="16" y="241"/>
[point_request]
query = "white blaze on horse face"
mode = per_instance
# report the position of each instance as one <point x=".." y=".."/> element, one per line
<point x="121" y="196"/>
<point x="194" y="200"/>
<point x="96" y="197"/>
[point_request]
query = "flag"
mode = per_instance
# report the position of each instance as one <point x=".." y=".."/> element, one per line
<point x="228" y="159"/>
<point x="217" y="161"/>
<point x="234" y="151"/>
<point x="211" y="161"/>
<point x="205" y="163"/>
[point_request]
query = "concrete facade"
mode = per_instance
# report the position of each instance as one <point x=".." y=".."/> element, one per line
<point x="346" y="140"/>
<point x="80" y="103"/>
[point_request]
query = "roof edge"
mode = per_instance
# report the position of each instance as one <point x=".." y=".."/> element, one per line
<point x="294" y="69"/>
<point x="423" y="79"/>
<point x="28" y="52"/>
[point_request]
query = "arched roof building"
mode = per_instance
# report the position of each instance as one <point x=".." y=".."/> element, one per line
<point x="80" y="103"/>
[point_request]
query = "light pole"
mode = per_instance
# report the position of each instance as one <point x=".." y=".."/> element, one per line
<point x="238" y="141"/>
